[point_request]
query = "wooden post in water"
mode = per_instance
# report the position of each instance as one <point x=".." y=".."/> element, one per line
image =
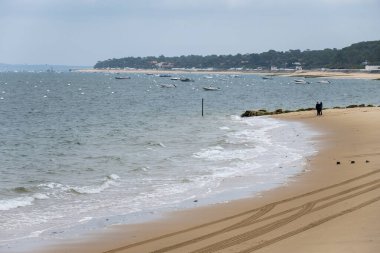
<point x="202" y="107"/>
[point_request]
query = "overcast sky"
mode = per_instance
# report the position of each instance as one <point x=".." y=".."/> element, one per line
<point x="81" y="32"/>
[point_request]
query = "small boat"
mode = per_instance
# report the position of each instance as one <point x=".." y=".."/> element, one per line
<point x="300" y="81"/>
<point x="324" y="81"/>
<point x="208" y="77"/>
<point x="122" y="77"/>
<point x="164" y="75"/>
<point x="211" y="88"/>
<point x="175" y="78"/>
<point x="267" y="78"/>
<point x="186" y="80"/>
<point x="168" y="86"/>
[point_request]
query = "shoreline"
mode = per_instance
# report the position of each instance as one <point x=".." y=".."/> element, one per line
<point x="336" y="74"/>
<point x="315" y="221"/>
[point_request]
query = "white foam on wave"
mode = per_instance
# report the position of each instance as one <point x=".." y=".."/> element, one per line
<point x="9" y="204"/>
<point x="93" y="189"/>
<point x="218" y="153"/>
<point x="261" y="155"/>
<point x="85" y="219"/>
<point x="40" y="196"/>
<point x="108" y="181"/>
<point x="113" y="177"/>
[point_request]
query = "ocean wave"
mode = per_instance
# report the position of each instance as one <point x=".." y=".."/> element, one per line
<point x="218" y="153"/>
<point x="9" y="204"/>
<point x="113" y="177"/>
<point x="13" y="203"/>
<point x="92" y="189"/>
<point x="141" y="169"/>
<point x="108" y="181"/>
<point x="40" y="196"/>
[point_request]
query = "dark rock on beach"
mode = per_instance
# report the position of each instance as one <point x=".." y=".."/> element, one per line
<point x="263" y="112"/>
<point x="250" y="113"/>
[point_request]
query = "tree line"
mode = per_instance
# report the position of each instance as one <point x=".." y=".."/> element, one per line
<point x="351" y="57"/>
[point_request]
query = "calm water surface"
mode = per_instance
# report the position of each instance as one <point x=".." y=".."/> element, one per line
<point x="83" y="151"/>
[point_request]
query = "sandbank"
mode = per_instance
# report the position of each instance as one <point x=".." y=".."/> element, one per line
<point x="333" y="206"/>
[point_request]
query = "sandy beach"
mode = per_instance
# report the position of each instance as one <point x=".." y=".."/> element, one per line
<point x="332" y="207"/>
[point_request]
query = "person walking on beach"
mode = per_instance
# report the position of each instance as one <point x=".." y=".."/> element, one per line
<point x="320" y="108"/>
<point x="317" y="108"/>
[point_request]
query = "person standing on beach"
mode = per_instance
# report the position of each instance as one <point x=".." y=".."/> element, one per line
<point x="320" y="108"/>
<point x="317" y="107"/>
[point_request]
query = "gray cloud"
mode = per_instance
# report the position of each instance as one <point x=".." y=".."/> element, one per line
<point x="84" y="31"/>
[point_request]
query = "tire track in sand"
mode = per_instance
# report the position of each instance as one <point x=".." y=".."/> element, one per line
<point x="277" y="224"/>
<point x="255" y="214"/>
<point x="255" y="218"/>
<point x="310" y="226"/>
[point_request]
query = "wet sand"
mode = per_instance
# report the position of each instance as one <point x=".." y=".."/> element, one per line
<point x="333" y="206"/>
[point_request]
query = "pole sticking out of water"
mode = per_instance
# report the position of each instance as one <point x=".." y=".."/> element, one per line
<point x="202" y="107"/>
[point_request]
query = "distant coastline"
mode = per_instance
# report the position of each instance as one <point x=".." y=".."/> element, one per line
<point x="356" y="56"/>
<point x="337" y="74"/>
<point x="32" y="68"/>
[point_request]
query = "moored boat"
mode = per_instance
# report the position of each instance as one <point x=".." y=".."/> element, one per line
<point x="211" y="88"/>
<point x="168" y="85"/>
<point x="122" y="77"/>
<point x="185" y="79"/>
<point x="324" y="81"/>
<point x="164" y="75"/>
<point x="300" y="81"/>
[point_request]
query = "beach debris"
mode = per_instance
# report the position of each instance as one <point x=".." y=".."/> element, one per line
<point x="262" y="112"/>
<point x="352" y="162"/>
<point x="361" y="105"/>
<point x="338" y="163"/>
<point x="366" y="161"/>
<point x="195" y="201"/>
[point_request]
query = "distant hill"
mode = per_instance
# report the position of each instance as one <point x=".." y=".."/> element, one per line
<point x="351" y="57"/>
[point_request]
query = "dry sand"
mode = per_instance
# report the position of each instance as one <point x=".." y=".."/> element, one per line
<point x="329" y="208"/>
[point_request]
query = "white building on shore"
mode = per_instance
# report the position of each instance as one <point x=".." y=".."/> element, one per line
<point x="372" y="68"/>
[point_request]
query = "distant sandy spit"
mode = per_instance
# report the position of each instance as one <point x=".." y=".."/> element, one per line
<point x="296" y="74"/>
<point x="333" y="206"/>
<point x="337" y="75"/>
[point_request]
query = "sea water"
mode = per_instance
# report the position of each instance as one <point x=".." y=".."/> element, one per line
<point x="80" y="152"/>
